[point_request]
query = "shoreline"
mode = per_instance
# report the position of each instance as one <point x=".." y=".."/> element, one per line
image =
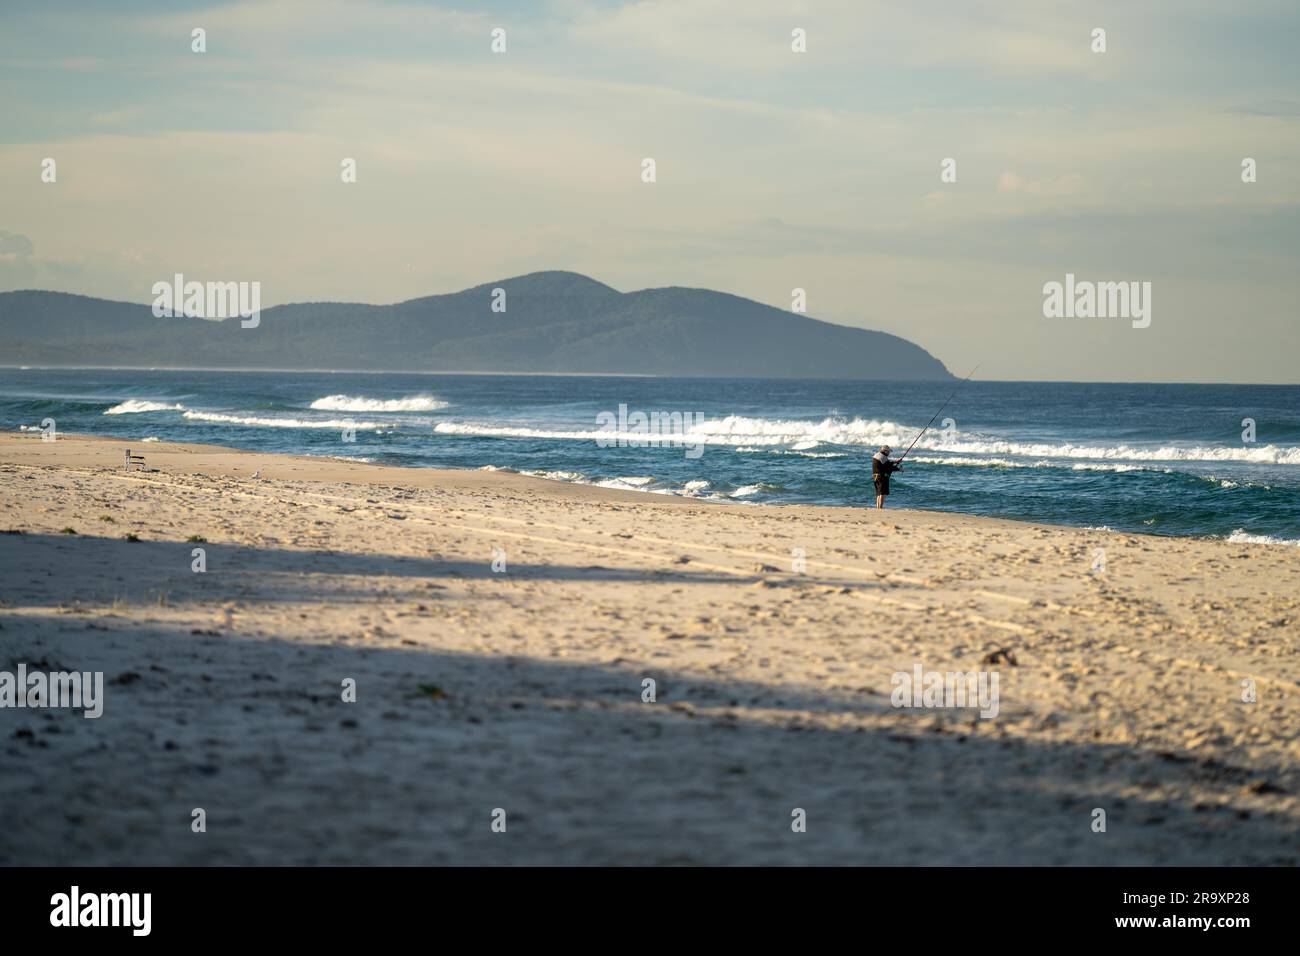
<point x="499" y="630"/>
<point x="166" y="448"/>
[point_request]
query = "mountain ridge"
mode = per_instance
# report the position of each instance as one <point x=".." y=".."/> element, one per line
<point x="554" y="322"/>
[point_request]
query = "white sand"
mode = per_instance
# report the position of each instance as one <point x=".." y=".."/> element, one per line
<point x="522" y="690"/>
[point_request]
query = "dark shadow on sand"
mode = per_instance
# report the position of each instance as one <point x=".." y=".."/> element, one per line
<point x="587" y="772"/>
<point x="138" y="572"/>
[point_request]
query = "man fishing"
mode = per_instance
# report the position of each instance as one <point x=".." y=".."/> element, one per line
<point x="882" y="466"/>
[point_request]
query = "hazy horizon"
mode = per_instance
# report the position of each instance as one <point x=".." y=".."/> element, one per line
<point x="644" y="375"/>
<point x="776" y="169"/>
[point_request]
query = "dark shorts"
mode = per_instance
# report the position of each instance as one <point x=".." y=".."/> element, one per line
<point x="882" y="485"/>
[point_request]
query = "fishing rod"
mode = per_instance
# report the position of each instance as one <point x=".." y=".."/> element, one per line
<point x="938" y="413"/>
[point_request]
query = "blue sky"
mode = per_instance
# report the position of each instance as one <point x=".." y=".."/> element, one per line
<point x="776" y="170"/>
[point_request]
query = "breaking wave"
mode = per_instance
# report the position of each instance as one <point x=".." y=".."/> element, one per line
<point x="134" y="406"/>
<point x="351" y="403"/>
<point x="754" y="434"/>
<point x="257" y="422"/>
<point x="1240" y="536"/>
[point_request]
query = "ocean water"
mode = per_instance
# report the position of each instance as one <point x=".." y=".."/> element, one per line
<point x="1161" y="459"/>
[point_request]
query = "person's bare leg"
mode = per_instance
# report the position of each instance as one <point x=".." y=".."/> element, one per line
<point x="880" y="501"/>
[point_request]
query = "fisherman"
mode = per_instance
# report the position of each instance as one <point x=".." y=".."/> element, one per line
<point x="882" y="466"/>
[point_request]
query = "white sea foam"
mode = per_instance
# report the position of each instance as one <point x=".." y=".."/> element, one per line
<point x="573" y="476"/>
<point x="134" y="406"/>
<point x="352" y="403"/>
<point x="744" y="431"/>
<point x="256" y="422"/>
<point x="1240" y="536"/>
<point x="696" y="488"/>
<point x="751" y="450"/>
<point x="756" y="434"/>
<point x="1041" y="463"/>
<point x="977" y="462"/>
<point x="746" y="491"/>
<point x="1267" y="454"/>
<point x="747" y="433"/>
<point x="631" y="483"/>
<point x="484" y="430"/>
<point x="622" y="483"/>
<point x="1096" y="466"/>
<point x="734" y="430"/>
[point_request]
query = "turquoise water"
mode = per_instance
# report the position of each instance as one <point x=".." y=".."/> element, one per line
<point x="1162" y="459"/>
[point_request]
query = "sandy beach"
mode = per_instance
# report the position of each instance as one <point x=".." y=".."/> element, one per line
<point x="772" y="634"/>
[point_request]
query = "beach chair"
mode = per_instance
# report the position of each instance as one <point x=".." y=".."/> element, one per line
<point x="134" y="460"/>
